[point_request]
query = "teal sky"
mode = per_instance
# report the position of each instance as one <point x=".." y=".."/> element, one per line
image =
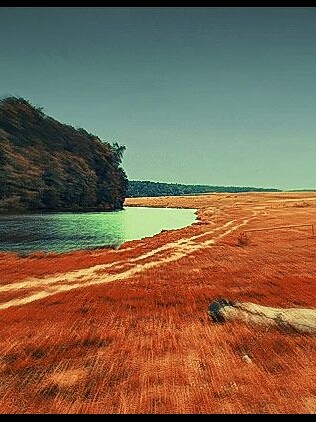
<point x="220" y="96"/>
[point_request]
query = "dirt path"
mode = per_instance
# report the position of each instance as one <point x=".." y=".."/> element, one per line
<point x="98" y="274"/>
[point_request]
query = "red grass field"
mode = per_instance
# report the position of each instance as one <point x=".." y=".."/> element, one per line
<point x="127" y="330"/>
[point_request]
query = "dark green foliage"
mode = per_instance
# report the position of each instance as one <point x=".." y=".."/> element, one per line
<point x="118" y="151"/>
<point x="145" y="188"/>
<point x="49" y="166"/>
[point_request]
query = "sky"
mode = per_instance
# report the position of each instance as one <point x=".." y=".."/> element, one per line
<point x="217" y="96"/>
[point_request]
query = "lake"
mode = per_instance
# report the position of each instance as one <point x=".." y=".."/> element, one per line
<point x="62" y="232"/>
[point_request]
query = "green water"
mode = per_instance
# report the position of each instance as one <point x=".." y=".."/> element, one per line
<point x="62" y="232"/>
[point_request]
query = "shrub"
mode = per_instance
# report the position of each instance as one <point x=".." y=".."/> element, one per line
<point x="243" y="239"/>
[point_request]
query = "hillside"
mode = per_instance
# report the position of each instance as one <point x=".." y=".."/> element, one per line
<point x="145" y="189"/>
<point x="49" y="166"/>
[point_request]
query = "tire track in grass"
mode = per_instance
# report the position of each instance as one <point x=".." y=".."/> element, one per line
<point x="91" y="276"/>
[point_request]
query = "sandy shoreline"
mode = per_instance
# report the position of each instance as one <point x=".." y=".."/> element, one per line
<point x="126" y="330"/>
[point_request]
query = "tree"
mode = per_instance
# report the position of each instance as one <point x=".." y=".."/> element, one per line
<point x="47" y="165"/>
<point x="118" y="151"/>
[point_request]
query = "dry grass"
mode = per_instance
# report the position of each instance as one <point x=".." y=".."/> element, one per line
<point x="145" y="344"/>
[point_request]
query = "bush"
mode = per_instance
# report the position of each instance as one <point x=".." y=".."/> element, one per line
<point x="11" y="204"/>
<point x="243" y="239"/>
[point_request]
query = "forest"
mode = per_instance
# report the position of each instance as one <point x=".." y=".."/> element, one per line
<point x="137" y="188"/>
<point x="49" y="166"/>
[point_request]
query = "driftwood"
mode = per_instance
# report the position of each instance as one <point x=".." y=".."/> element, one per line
<point x="288" y="319"/>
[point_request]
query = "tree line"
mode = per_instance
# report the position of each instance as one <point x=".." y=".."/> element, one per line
<point x="137" y="188"/>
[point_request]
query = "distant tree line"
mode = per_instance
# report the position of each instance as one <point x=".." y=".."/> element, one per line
<point x="49" y="166"/>
<point x="146" y="188"/>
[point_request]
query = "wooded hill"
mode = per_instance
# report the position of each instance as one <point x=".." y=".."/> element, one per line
<point x="49" y="166"/>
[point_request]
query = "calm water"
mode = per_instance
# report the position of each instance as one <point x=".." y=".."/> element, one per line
<point x="61" y="232"/>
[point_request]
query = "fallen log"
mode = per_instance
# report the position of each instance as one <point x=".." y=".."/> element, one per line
<point x="288" y="319"/>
